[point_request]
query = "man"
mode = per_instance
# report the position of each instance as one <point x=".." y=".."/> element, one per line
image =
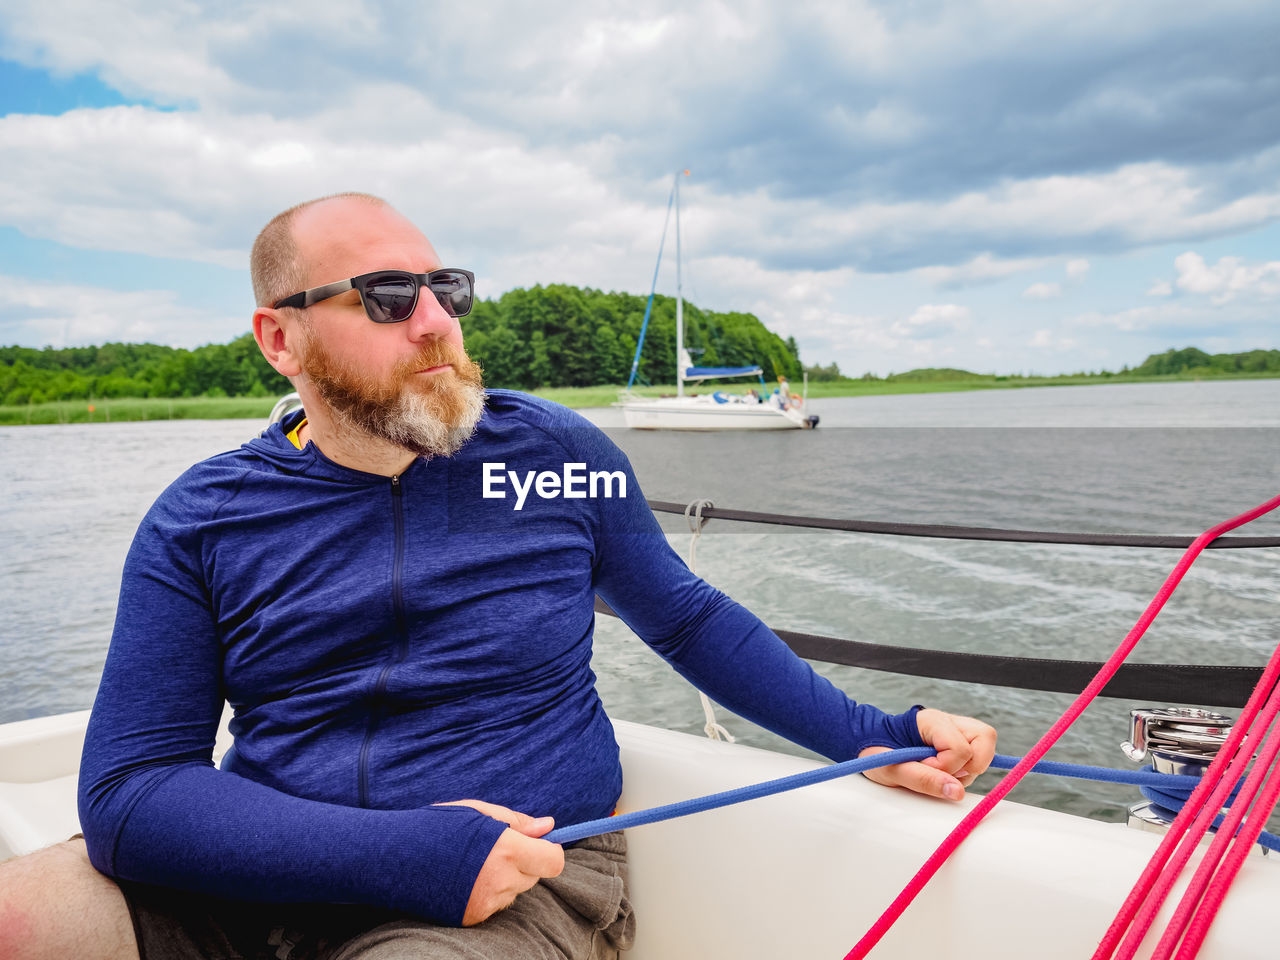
<point x="407" y="652"/>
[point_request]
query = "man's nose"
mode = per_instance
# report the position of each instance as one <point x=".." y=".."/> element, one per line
<point x="429" y="319"/>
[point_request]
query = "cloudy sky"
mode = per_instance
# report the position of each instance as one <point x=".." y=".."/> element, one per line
<point x="1003" y="186"/>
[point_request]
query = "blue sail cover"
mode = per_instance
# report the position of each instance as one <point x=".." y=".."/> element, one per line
<point x="708" y="373"/>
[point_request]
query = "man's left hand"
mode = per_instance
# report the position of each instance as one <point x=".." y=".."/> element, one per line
<point x="965" y="747"/>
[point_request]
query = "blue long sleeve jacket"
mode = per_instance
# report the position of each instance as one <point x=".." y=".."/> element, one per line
<point x="391" y="644"/>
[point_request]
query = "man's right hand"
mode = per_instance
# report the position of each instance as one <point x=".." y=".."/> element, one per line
<point x="517" y="861"/>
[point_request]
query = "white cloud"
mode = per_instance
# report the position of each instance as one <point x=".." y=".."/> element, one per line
<point x="781" y="287"/>
<point x="932" y="320"/>
<point x="984" y="268"/>
<point x="1136" y="205"/>
<point x="1240" y="325"/>
<point x="828" y="142"/>
<point x="1048" y="340"/>
<point x="1160" y="288"/>
<point x="1228" y="278"/>
<point x="1136" y="319"/>
<point x="162" y="51"/>
<point x="198" y="186"/>
<point x="69" y="315"/>
<point x="789" y="302"/>
<point x="1043" y="291"/>
<point x="852" y="334"/>
<point x="192" y="53"/>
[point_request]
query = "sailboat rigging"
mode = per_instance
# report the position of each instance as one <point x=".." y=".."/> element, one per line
<point x="715" y="411"/>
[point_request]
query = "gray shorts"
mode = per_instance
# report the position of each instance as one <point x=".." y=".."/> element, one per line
<point x="583" y="914"/>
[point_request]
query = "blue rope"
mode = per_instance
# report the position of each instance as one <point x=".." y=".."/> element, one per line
<point x="1167" y="791"/>
<point x="591" y="828"/>
<point x="1146" y="777"/>
<point x="1169" y="801"/>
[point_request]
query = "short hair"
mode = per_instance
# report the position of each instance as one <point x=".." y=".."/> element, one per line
<point x="274" y="264"/>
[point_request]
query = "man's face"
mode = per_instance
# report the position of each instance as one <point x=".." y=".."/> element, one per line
<point x="408" y="383"/>
<point x="426" y="415"/>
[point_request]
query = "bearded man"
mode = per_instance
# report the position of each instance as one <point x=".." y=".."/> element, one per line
<point x="407" y="657"/>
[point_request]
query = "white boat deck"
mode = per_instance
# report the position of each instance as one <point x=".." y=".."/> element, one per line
<point x="801" y="874"/>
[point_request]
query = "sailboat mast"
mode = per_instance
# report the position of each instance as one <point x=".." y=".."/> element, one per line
<point x="679" y="302"/>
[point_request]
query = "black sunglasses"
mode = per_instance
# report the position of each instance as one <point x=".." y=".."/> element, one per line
<point x="390" y="296"/>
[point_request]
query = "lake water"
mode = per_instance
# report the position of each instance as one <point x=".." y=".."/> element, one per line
<point x="1154" y="458"/>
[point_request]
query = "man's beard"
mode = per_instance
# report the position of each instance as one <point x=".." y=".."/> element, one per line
<point x="431" y="415"/>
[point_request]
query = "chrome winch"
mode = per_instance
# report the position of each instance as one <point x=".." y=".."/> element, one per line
<point x="1181" y="740"/>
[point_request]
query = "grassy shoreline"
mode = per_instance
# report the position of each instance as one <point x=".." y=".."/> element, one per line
<point x="127" y="409"/>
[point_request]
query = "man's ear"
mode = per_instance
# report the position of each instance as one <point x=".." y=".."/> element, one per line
<point x="270" y="329"/>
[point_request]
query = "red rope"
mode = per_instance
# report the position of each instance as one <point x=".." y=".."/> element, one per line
<point x="1193" y="820"/>
<point x="1222" y="882"/>
<point x="1213" y="885"/>
<point x="1034" y="755"/>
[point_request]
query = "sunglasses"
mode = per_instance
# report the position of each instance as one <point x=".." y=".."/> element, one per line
<point x="390" y="296"/>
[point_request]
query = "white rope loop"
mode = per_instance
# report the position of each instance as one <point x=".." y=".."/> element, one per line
<point x="693" y="516"/>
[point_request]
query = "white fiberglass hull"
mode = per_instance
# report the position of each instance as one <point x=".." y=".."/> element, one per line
<point x="704" y="413"/>
<point x="800" y="874"/>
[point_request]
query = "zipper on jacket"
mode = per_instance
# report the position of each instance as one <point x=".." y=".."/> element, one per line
<point x="402" y="631"/>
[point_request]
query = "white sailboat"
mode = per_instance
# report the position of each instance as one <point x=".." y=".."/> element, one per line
<point x="718" y="410"/>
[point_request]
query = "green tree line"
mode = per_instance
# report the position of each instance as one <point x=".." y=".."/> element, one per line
<point x="1193" y="362"/>
<point x="553" y="336"/>
<point x="235" y="369"/>
<point x="1187" y="362"/>
<point x="563" y="336"/>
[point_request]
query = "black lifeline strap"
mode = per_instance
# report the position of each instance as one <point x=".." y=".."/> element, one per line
<point x="1209" y="685"/>
<point x="949" y="532"/>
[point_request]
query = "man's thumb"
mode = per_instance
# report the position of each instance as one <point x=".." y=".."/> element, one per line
<point x="532" y="827"/>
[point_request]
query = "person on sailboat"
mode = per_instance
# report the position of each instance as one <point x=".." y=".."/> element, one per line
<point x="781" y="395"/>
<point x="409" y="661"/>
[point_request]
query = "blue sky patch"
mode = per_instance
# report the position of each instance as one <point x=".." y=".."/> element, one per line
<point x="31" y="90"/>
<point x="47" y="260"/>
